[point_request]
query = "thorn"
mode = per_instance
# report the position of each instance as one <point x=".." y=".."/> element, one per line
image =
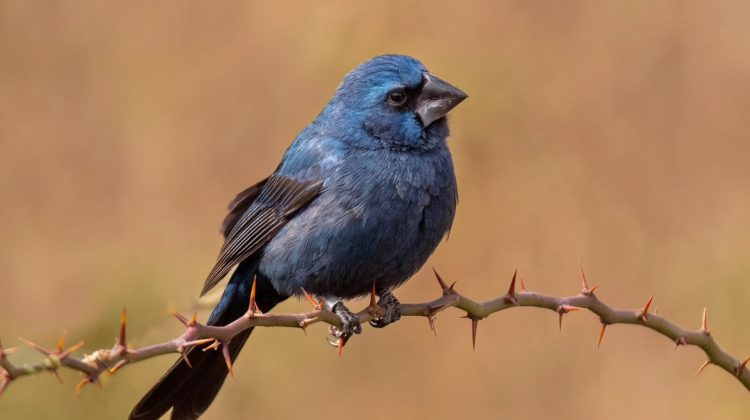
<point x="61" y="342"/>
<point x="643" y="313"/>
<point x="36" y="347"/>
<point x="431" y="321"/>
<point x="117" y="366"/>
<point x="72" y="349"/>
<point x="253" y="307"/>
<point x="193" y="320"/>
<point x="180" y="318"/>
<point x="4" y="352"/>
<point x="79" y="387"/>
<point x="317" y="306"/>
<point x="57" y="375"/>
<point x="564" y="309"/>
<point x="227" y="358"/>
<point x="443" y="286"/>
<point x="474" y="325"/>
<point x="601" y="336"/>
<point x="703" y="366"/>
<point x="583" y="277"/>
<point x="309" y="298"/>
<point x="523" y="286"/>
<point x="447" y="290"/>
<point x="429" y="313"/>
<point x="680" y="341"/>
<point x="121" y="342"/>
<point x="373" y="308"/>
<point x="305" y="322"/>
<point x="585" y="288"/>
<point x="183" y="354"/>
<point x="704" y="324"/>
<point x="213" y="346"/>
<point x="510" y="297"/>
<point x="741" y="367"/>
<point x="200" y="342"/>
<point x="339" y="343"/>
<point x="85" y="381"/>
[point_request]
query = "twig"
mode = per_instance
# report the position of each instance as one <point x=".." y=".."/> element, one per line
<point x="217" y="337"/>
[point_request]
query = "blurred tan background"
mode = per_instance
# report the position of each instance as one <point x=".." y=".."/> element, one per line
<point x="611" y="132"/>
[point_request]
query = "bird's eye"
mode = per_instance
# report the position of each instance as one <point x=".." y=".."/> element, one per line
<point x="397" y="98"/>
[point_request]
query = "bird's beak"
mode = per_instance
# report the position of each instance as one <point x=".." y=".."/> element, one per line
<point x="437" y="98"/>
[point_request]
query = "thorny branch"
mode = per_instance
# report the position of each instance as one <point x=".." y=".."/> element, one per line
<point x="218" y="337"/>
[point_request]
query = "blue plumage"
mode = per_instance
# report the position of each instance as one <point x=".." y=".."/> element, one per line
<point x="364" y="194"/>
<point x="389" y="191"/>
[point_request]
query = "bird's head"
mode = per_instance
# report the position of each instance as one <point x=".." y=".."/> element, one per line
<point x="396" y="101"/>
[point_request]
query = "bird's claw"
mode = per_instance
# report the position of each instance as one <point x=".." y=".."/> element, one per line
<point x="391" y="309"/>
<point x="350" y="324"/>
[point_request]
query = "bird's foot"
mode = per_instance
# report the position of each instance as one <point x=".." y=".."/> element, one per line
<point x="350" y="324"/>
<point x="390" y="310"/>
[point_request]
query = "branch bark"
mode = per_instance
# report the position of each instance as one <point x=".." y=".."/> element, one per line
<point x="102" y="361"/>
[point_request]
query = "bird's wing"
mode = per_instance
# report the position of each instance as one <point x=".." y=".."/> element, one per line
<point x="239" y="206"/>
<point x="255" y="216"/>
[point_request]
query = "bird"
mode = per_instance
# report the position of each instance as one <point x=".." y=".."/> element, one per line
<point x="362" y="196"/>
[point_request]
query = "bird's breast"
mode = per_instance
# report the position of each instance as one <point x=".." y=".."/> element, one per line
<point x="377" y="219"/>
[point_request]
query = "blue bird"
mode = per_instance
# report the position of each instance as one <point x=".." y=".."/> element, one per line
<point x="363" y="196"/>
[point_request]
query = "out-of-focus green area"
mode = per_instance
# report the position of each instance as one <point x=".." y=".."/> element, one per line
<point x="611" y="132"/>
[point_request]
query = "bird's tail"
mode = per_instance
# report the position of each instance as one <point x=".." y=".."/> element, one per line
<point x="189" y="391"/>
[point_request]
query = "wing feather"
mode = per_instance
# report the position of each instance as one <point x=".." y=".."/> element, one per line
<point x="239" y="206"/>
<point x="265" y="208"/>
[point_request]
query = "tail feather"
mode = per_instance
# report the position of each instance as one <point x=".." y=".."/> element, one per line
<point x="189" y="391"/>
<point x="202" y="387"/>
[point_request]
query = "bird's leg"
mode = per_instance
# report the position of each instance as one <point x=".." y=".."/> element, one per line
<point x="391" y="309"/>
<point x="349" y="321"/>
